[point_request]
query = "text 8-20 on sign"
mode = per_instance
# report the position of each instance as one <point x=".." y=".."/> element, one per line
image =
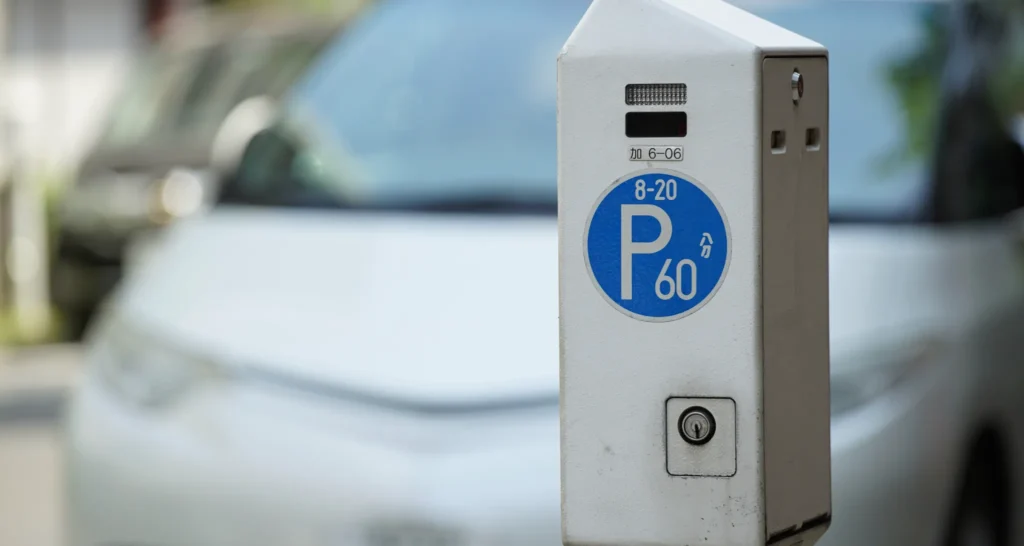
<point x="657" y="245"/>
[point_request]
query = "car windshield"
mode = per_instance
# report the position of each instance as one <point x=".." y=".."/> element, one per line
<point x="461" y="107"/>
<point x="426" y="101"/>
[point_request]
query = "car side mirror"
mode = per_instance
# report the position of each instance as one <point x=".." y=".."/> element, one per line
<point x="243" y="122"/>
<point x="265" y="169"/>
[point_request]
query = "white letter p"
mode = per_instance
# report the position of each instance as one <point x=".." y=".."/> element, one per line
<point x="630" y="247"/>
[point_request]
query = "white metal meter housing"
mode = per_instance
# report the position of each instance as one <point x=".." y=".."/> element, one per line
<point x="693" y="227"/>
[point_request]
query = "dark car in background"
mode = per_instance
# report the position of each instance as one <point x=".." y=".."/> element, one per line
<point x="186" y="111"/>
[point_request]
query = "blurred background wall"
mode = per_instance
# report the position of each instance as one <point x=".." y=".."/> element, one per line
<point x="65" y="58"/>
<point x="62" y="60"/>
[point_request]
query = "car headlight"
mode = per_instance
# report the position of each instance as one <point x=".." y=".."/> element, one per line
<point x="146" y="372"/>
<point x="876" y="372"/>
<point x="179" y="194"/>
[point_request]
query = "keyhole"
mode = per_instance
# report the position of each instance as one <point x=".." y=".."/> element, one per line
<point x="696" y="425"/>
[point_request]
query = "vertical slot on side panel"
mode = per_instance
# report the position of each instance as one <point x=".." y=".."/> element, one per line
<point x="813" y="139"/>
<point x="778" y="142"/>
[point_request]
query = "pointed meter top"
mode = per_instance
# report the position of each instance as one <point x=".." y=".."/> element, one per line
<point x="631" y="27"/>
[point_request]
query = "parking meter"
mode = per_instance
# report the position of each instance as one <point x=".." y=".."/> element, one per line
<point x="693" y="270"/>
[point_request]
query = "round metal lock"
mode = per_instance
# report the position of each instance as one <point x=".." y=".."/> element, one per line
<point x="697" y="426"/>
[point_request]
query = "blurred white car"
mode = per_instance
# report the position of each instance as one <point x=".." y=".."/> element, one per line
<point x="360" y="347"/>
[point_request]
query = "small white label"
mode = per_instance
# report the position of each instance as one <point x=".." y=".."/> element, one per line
<point x="655" y="153"/>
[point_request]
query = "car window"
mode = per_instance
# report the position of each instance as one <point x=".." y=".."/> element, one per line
<point x="277" y="65"/>
<point x="170" y="94"/>
<point x="200" y="97"/>
<point x="151" y="96"/>
<point x="176" y="95"/>
<point x="241" y="69"/>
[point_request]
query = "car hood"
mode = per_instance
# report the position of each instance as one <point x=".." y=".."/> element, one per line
<point x="448" y="309"/>
<point x="426" y="309"/>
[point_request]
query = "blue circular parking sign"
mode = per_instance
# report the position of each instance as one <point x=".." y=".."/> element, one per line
<point x="657" y="245"/>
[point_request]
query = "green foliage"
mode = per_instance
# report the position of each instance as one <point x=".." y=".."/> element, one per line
<point x="50" y="184"/>
<point x="915" y="79"/>
<point x="1008" y="84"/>
<point x="52" y="187"/>
<point x="13" y="332"/>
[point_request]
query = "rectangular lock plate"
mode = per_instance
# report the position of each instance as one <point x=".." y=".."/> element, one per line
<point x="704" y="448"/>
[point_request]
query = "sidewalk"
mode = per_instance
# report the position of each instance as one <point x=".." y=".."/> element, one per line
<point x="34" y="382"/>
